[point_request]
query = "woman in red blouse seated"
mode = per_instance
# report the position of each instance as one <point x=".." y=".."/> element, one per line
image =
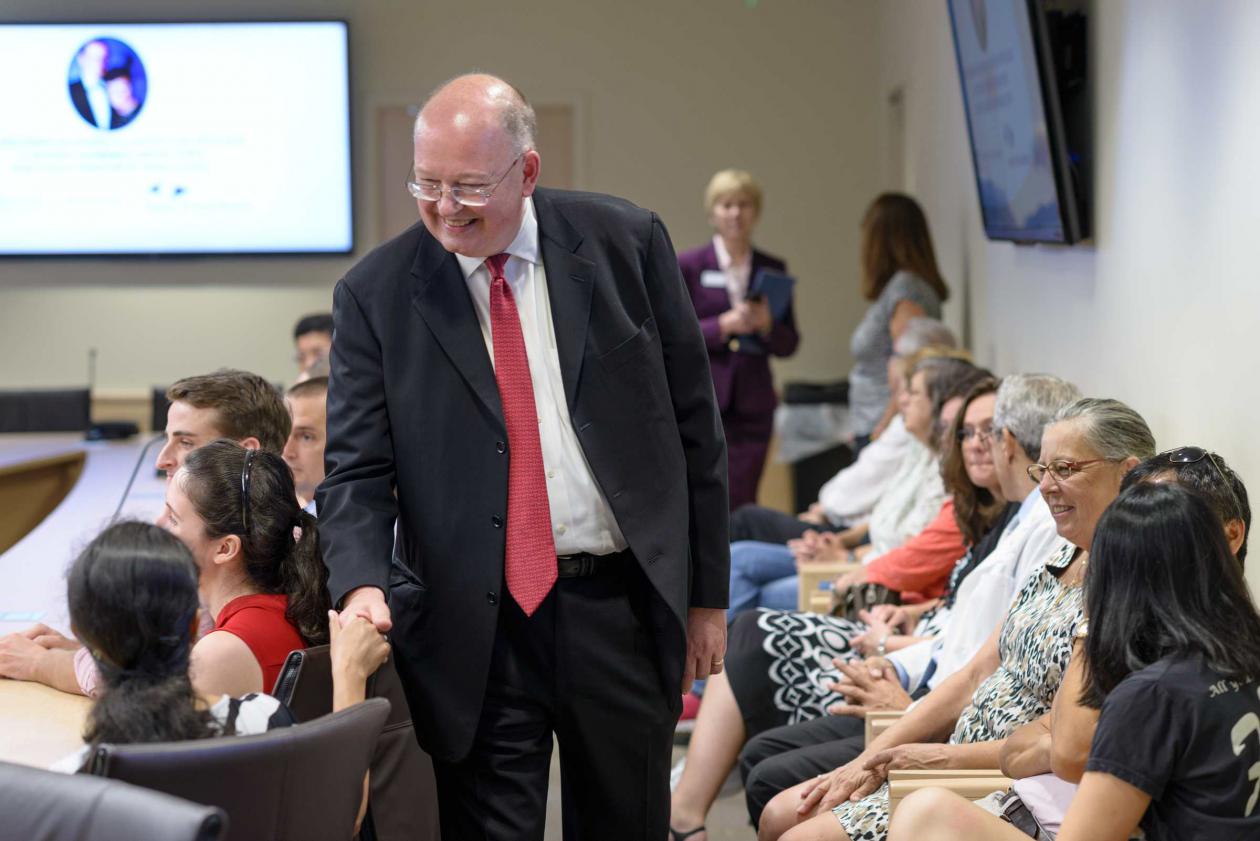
<point x="261" y="575"/>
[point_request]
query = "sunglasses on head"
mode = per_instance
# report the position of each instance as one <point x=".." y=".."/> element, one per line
<point x="245" y="477"/>
<point x="1191" y="455"/>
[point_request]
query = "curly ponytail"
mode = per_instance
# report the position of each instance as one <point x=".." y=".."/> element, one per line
<point x="133" y="602"/>
<point x="306" y="582"/>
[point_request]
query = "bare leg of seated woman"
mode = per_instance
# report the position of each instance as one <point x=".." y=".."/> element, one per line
<point x="782" y="822"/>
<point x="929" y="815"/>
<point x="714" y="747"/>
<point x="934" y="814"/>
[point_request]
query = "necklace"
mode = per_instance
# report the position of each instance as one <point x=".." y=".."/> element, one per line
<point x="1067" y="589"/>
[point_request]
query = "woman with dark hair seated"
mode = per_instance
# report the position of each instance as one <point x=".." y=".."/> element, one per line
<point x="1037" y="802"/>
<point x="133" y="602"/>
<point x="261" y="574"/>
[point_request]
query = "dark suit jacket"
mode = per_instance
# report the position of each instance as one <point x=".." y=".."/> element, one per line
<point x="78" y="96"/>
<point x="743" y="381"/>
<point x="413" y="406"/>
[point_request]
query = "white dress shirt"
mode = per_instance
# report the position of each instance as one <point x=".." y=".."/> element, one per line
<point x="912" y="500"/>
<point x="581" y="519"/>
<point x="98" y="101"/>
<point x="738" y="274"/>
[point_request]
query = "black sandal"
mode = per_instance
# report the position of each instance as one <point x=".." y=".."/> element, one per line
<point x="675" y="835"/>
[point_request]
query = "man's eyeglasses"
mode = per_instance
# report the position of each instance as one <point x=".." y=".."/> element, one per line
<point x="467" y="196"/>
<point x="981" y="433"/>
<point x="1060" y="469"/>
<point x="1191" y="455"/>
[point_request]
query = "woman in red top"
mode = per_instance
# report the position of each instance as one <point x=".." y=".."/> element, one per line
<point x="261" y="574"/>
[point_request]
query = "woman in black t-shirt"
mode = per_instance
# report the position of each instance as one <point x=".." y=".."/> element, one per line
<point x="1172" y="660"/>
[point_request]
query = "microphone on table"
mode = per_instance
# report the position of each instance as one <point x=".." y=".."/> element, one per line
<point x="144" y="452"/>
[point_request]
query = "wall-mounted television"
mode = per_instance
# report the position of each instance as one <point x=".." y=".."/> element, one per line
<point x="176" y="139"/>
<point x="1029" y="191"/>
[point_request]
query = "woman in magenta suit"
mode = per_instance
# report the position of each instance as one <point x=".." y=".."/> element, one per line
<point x="718" y="276"/>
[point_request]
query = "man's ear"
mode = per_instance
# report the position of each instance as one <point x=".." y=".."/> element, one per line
<point x="531" y="168"/>
<point x="1235" y="534"/>
<point x="250" y="443"/>
<point x="1009" y="445"/>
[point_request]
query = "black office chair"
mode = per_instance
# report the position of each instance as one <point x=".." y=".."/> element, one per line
<point x="402" y="804"/>
<point x="299" y="783"/>
<point x="45" y="410"/>
<point x="39" y="805"/>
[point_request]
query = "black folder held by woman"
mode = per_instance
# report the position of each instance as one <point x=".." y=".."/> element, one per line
<point x="776" y="289"/>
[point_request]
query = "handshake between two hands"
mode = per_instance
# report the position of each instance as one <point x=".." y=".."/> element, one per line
<point x="356" y="636"/>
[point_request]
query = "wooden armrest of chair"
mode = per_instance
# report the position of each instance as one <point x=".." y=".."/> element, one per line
<point x="812" y="598"/>
<point x="879" y="721"/>
<point x="972" y="785"/>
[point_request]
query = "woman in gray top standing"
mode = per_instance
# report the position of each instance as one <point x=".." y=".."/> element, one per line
<point x="901" y="280"/>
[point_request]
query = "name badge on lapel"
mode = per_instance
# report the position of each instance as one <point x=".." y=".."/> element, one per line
<point x="713" y="280"/>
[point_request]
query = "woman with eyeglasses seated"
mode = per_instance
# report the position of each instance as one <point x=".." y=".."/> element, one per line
<point x="780" y="665"/>
<point x="1037" y="802"/>
<point x="964" y="721"/>
<point x="261" y="575"/>
<point x="739" y="331"/>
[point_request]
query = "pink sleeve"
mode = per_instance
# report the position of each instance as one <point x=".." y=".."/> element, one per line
<point x="86" y="673"/>
<point x="922" y="564"/>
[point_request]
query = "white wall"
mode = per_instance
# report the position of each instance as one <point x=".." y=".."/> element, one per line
<point x="669" y="91"/>
<point x="1161" y="309"/>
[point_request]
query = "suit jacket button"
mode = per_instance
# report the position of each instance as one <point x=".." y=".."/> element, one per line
<point x="492" y="597"/>
<point x="732" y="345"/>
<point x="500" y="446"/>
<point x="497" y="520"/>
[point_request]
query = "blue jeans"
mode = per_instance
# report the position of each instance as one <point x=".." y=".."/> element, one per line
<point x="762" y="575"/>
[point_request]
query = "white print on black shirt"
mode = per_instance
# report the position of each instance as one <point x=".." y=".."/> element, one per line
<point x="1248" y="724"/>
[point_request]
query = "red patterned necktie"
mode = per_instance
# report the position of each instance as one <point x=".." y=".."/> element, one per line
<point x="530" y="558"/>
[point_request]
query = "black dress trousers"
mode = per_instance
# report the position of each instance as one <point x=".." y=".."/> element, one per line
<point x="585" y="667"/>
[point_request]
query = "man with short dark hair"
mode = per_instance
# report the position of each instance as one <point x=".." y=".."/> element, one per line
<point x="312" y="338"/>
<point x="224" y="404"/>
<point x="304" y="451"/>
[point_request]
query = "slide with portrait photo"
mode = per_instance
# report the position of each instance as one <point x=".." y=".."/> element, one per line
<point x="176" y="138"/>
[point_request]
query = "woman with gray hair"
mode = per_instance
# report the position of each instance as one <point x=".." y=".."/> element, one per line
<point x="1012" y="681"/>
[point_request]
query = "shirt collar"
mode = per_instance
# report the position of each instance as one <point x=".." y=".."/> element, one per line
<point x="524" y="246"/>
<point x="1063" y="559"/>
<point x="1028" y="504"/>
<point x="724" y="256"/>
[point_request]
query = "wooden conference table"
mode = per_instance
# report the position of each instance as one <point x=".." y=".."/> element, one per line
<point x="81" y="481"/>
